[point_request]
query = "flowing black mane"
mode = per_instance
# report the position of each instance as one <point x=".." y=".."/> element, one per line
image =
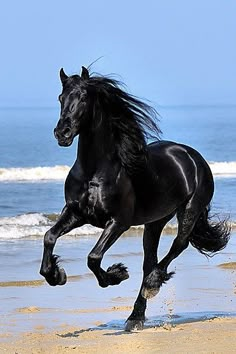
<point x="132" y="121"/>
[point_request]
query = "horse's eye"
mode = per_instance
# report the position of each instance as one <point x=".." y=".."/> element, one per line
<point x="72" y="107"/>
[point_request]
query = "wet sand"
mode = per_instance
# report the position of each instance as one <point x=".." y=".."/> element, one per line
<point x="194" y="312"/>
<point x="212" y="336"/>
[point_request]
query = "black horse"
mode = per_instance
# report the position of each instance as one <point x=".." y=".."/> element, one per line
<point x="118" y="180"/>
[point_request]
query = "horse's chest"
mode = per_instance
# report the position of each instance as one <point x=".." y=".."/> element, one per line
<point x="97" y="200"/>
<point x="94" y="195"/>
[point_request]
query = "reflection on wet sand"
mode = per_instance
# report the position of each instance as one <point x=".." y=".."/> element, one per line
<point x="229" y="265"/>
<point x="20" y="283"/>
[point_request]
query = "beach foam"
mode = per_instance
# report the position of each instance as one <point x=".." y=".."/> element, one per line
<point x="223" y="169"/>
<point x="33" y="173"/>
<point x="59" y="173"/>
<point x="35" y="225"/>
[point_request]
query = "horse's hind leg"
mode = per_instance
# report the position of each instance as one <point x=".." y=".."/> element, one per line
<point x="187" y="218"/>
<point x="151" y="239"/>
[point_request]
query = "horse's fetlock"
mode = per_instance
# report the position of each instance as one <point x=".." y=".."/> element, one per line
<point x="45" y="270"/>
<point x="93" y="260"/>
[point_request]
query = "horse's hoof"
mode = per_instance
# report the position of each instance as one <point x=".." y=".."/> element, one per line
<point x="117" y="273"/>
<point x="58" y="278"/>
<point x="154" y="281"/>
<point x="62" y="278"/>
<point x="149" y="293"/>
<point x="132" y="325"/>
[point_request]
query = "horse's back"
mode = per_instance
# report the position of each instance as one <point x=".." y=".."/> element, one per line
<point x="182" y="163"/>
<point x="173" y="153"/>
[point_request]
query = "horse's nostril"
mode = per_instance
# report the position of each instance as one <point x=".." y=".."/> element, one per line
<point x="67" y="132"/>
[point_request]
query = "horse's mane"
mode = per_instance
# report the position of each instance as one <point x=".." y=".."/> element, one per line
<point x="132" y="121"/>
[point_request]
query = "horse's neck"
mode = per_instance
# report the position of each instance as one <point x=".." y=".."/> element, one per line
<point x="94" y="149"/>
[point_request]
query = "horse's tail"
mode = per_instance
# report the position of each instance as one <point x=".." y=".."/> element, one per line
<point x="209" y="237"/>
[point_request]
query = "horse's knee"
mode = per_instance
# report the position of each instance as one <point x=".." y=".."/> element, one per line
<point x="49" y="239"/>
<point x="93" y="260"/>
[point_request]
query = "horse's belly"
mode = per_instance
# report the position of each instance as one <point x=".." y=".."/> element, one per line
<point x="159" y="203"/>
<point x="148" y="215"/>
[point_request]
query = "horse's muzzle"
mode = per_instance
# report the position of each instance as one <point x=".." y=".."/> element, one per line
<point x="64" y="138"/>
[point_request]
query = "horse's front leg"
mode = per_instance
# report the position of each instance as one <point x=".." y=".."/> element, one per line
<point x="49" y="267"/>
<point x="117" y="272"/>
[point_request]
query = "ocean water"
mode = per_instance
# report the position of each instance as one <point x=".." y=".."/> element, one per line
<point x="33" y="167"/>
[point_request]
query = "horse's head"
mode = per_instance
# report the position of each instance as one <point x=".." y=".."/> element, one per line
<point x="73" y="107"/>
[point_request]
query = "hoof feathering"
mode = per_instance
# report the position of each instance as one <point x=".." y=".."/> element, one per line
<point x="57" y="276"/>
<point x="117" y="273"/>
<point x="154" y="281"/>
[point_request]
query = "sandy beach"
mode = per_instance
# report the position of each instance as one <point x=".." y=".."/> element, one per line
<point x="212" y="336"/>
<point x="194" y="311"/>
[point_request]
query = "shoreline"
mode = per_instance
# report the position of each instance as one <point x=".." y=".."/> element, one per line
<point x="194" y="312"/>
<point x="212" y="336"/>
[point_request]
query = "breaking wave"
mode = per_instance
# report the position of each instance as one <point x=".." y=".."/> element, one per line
<point x="34" y="174"/>
<point x="59" y="173"/>
<point x="35" y="225"/>
<point x="223" y="169"/>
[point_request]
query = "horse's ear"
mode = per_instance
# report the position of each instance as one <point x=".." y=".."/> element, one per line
<point x="63" y="76"/>
<point x="84" y="73"/>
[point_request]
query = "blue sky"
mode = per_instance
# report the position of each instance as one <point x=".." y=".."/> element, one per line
<point x="169" y="51"/>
